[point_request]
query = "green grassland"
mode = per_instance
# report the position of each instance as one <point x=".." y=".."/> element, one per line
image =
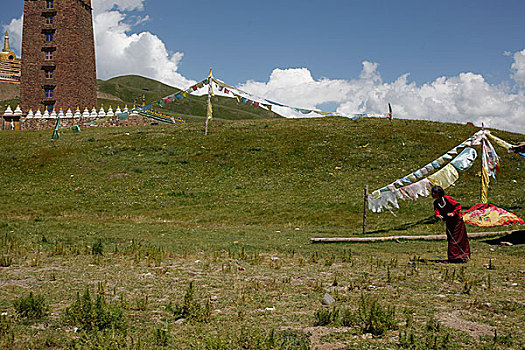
<point x="135" y="215"/>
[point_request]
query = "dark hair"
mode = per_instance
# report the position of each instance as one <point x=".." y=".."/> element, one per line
<point x="438" y="190"/>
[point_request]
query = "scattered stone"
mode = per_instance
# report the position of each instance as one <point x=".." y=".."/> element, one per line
<point x="521" y="271"/>
<point x="197" y="261"/>
<point x="492" y="249"/>
<point x="214" y="298"/>
<point x="441" y="296"/>
<point x="297" y="229"/>
<point x="235" y="242"/>
<point x="328" y="299"/>
<point x="270" y="309"/>
<point x="180" y="321"/>
<point x="507" y="244"/>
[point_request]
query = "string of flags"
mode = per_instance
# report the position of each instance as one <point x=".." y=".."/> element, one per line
<point x="444" y="172"/>
<point x="258" y="102"/>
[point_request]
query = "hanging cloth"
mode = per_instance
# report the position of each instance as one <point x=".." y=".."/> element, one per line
<point x="465" y="159"/>
<point x="419" y="189"/>
<point x="445" y="177"/>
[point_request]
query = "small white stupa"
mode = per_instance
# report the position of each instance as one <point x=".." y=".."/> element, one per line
<point x="30" y="114"/>
<point x="110" y="112"/>
<point x="77" y="113"/>
<point x="125" y="109"/>
<point x="8" y="111"/>
<point x="102" y="112"/>
<point x="69" y="114"/>
<point x="38" y="114"/>
<point x="85" y="114"/>
<point x="118" y="111"/>
<point x="53" y="114"/>
<point x="94" y="113"/>
<point x="18" y="111"/>
<point x="61" y="113"/>
<point x="46" y="114"/>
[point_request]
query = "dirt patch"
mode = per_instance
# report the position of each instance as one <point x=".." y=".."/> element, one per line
<point x="120" y="175"/>
<point x="454" y="320"/>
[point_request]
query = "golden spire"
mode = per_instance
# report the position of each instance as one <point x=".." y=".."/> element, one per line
<point x="6" y="42"/>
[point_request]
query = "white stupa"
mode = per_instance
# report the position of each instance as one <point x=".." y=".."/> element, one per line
<point x="18" y="111"/>
<point x="102" y="112"/>
<point x="94" y="113"/>
<point x="61" y="113"/>
<point x="8" y="111"/>
<point x="30" y="114"/>
<point x="125" y="109"/>
<point x="38" y="114"/>
<point x="46" y="114"/>
<point x="118" y="111"/>
<point x="69" y="114"/>
<point x="85" y="114"/>
<point x="53" y="114"/>
<point x="77" y="113"/>
<point x="110" y="112"/>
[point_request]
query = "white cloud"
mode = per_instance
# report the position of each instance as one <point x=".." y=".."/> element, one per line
<point x="120" y="52"/>
<point x="100" y="6"/>
<point x="518" y="68"/>
<point x="467" y="97"/>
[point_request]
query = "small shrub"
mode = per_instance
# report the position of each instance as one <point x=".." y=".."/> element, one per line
<point x="374" y="318"/>
<point x="6" y="261"/>
<point x="31" y="306"/>
<point x="5" y="326"/>
<point x="191" y="309"/>
<point x="98" y="248"/>
<point x="325" y="317"/>
<point x="95" y="315"/>
<point x="161" y="337"/>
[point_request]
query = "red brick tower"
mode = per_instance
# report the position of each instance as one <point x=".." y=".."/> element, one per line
<point x="58" y="55"/>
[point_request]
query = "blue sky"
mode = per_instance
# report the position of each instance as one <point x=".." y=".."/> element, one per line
<point x="246" y="41"/>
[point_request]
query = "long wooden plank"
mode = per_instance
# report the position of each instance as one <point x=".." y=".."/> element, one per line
<point x="408" y="238"/>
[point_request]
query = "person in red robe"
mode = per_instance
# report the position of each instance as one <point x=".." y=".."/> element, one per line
<point x="449" y="211"/>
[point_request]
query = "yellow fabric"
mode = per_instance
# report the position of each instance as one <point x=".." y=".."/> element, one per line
<point x="485" y="181"/>
<point x="489" y="219"/>
<point x="184" y="93"/>
<point x="445" y="177"/>
<point x="500" y="142"/>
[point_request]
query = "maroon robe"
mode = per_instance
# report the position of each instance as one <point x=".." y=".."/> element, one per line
<point x="458" y="246"/>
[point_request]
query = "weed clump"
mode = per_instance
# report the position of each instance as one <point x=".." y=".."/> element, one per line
<point x="374" y="318"/>
<point x="370" y="317"/>
<point x="98" y="248"/>
<point x="252" y="338"/>
<point x="191" y="309"/>
<point x="95" y="315"/>
<point x="31" y="306"/>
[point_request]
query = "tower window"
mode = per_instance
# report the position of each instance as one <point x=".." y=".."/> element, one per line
<point x="49" y="74"/>
<point x="50" y="4"/>
<point x="49" y="92"/>
<point x="49" y="20"/>
<point x="49" y="37"/>
<point x="49" y="55"/>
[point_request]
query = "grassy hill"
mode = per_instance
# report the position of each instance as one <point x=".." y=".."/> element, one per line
<point x="132" y="89"/>
<point x="135" y="214"/>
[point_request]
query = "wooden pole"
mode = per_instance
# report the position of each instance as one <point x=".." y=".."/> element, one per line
<point x="209" y="101"/>
<point x="365" y="209"/>
<point x="407" y="238"/>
